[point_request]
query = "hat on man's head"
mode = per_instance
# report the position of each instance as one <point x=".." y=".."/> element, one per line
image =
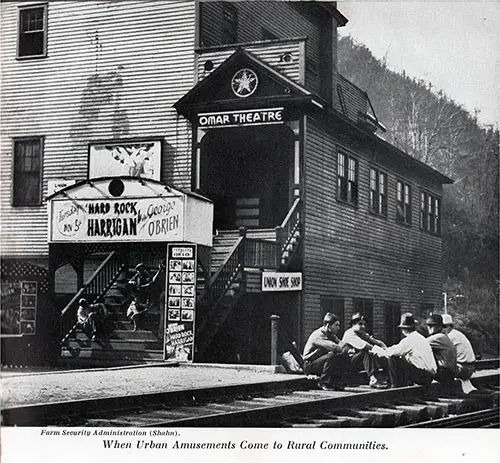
<point x="83" y="301"/>
<point x="139" y="266"/>
<point x="434" y="320"/>
<point x="407" y="321"/>
<point x="357" y="317"/>
<point x="330" y="318"/>
<point x="447" y="320"/>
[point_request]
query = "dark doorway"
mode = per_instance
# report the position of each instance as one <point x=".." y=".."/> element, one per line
<point x="246" y="172"/>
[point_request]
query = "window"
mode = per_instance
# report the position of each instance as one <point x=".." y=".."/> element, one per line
<point x="32" y="39"/>
<point x="347" y="179"/>
<point x="365" y="308"/>
<point x="403" y="203"/>
<point x="229" y="24"/>
<point x="334" y="305"/>
<point x="378" y="192"/>
<point x="430" y="213"/>
<point x="392" y="317"/>
<point x="27" y="177"/>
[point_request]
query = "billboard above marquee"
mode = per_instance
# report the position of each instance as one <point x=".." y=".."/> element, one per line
<point x="133" y="159"/>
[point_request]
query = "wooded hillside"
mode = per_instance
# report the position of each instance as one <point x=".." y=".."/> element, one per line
<point x="433" y="128"/>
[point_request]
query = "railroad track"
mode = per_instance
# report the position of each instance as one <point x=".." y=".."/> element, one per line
<point x="488" y="418"/>
<point x="294" y="405"/>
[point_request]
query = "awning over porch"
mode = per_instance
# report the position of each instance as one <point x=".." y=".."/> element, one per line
<point x="128" y="209"/>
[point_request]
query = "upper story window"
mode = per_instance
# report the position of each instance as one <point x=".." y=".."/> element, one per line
<point x="430" y="213"/>
<point x="347" y="179"/>
<point x="27" y="175"/>
<point x="378" y="192"/>
<point x="229" y="24"/>
<point x="32" y="31"/>
<point x="403" y="203"/>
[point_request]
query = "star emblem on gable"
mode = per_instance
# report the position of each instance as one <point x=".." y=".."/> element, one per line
<point x="244" y="83"/>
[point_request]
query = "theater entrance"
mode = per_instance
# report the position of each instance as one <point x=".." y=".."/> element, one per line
<point x="247" y="173"/>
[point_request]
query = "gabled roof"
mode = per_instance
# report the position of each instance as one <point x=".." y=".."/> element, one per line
<point x="216" y="87"/>
<point x="154" y="187"/>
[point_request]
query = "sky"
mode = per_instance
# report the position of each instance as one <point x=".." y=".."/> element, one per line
<point x="452" y="44"/>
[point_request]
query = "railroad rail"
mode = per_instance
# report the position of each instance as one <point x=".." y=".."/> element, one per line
<point x="293" y="404"/>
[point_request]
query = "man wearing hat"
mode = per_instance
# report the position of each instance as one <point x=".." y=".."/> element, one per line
<point x="363" y="343"/>
<point x="466" y="359"/>
<point x="326" y="356"/>
<point x="411" y="360"/>
<point x="443" y="349"/>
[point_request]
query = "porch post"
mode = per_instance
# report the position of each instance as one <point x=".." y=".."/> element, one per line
<point x="274" y="339"/>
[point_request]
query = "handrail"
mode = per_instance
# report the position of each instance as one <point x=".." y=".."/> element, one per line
<point x="227" y="259"/>
<point x="261" y="253"/>
<point x="87" y="284"/>
<point x="290" y="212"/>
<point x="98" y="284"/>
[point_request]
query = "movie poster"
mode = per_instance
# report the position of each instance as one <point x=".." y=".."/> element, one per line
<point x="180" y="302"/>
<point x="18" y="307"/>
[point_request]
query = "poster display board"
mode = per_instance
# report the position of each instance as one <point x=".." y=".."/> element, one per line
<point x="180" y="302"/>
<point x="19" y="304"/>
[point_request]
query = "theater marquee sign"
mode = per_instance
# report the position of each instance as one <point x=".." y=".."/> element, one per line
<point x="140" y="219"/>
<point x="267" y="116"/>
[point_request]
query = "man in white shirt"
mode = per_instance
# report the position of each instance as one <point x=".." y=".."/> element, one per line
<point x="362" y="344"/>
<point x="466" y="359"/>
<point x="411" y="360"/>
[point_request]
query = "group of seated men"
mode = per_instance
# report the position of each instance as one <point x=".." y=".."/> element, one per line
<point x="444" y="355"/>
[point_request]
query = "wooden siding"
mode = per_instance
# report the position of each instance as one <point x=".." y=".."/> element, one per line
<point x="268" y="53"/>
<point x="282" y="19"/>
<point x="350" y="252"/>
<point x="349" y="100"/>
<point x="113" y="71"/>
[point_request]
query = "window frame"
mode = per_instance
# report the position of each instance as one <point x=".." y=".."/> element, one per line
<point x="403" y="208"/>
<point x="14" y="201"/>
<point x="21" y="9"/>
<point x="365" y="307"/>
<point x="334" y="304"/>
<point x="229" y="27"/>
<point x="345" y="185"/>
<point x="378" y="201"/>
<point x="430" y="213"/>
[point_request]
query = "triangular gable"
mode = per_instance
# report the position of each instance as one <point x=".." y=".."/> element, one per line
<point x="221" y="87"/>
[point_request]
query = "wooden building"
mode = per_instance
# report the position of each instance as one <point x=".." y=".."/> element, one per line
<point x="247" y="109"/>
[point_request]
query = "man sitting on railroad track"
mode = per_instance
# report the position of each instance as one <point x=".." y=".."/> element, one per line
<point x="326" y="356"/>
<point x="443" y="349"/>
<point x="466" y="359"/>
<point x="363" y="357"/>
<point x="411" y="360"/>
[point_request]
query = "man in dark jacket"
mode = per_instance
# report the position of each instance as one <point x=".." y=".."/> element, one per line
<point x="443" y="349"/>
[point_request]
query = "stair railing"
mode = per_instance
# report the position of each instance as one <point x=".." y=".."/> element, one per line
<point x="290" y="228"/>
<point x="262" y="253"/>
<point x="95" y="288"/>
<point x="224" y="277"/>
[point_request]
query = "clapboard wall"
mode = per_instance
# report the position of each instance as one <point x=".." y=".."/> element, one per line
<point x="113" y="71"/>
<point x="261" y="20"/>
<point x="351" y="253"/>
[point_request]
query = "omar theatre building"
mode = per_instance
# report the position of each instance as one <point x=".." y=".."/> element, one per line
<point x="130" y="127"/>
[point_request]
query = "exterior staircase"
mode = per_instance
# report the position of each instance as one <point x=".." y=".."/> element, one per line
<point x="118" y="343"/>
<point x="235" y="255"/>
